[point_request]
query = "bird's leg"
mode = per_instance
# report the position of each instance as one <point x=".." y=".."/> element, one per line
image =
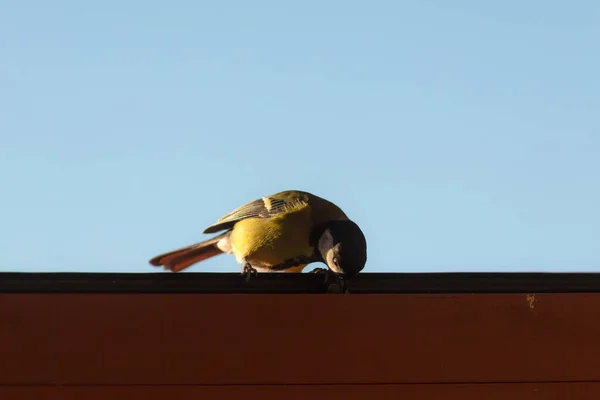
<point x="248" y="270"/>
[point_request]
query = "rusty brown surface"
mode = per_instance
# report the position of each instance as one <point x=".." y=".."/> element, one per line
<point x="191" y="339"/>
<point x="539" y="391"/>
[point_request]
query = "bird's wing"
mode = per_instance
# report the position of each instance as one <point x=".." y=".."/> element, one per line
<point x="265" y="207"/>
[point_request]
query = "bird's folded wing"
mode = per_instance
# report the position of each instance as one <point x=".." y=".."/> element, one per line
<point x="265" y="207"/>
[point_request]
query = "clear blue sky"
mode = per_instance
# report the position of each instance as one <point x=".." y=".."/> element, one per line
<point x="461" y="135"/>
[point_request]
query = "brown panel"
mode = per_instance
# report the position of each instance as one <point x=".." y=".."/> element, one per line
<point x="539" y="391"/>
<point x="224" y="339"/>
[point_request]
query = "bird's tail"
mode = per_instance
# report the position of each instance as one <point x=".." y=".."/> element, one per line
<point x="177" y="260"/>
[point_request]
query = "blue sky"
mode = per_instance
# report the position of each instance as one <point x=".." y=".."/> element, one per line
<point x="461" y="136"/>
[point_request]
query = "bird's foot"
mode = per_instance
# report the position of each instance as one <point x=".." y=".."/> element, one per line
<point x="248" y="270"/>
<point x="329" y="274"/>
<point x="336" y="282"/>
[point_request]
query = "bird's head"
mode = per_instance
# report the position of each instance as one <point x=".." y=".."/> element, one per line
<point x="343" y="247"/>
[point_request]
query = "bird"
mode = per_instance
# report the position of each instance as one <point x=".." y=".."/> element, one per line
<point x="282" y="232"/>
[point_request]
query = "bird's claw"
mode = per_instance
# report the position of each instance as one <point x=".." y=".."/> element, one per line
<point x="248" y="270"/>
<point x="325" y="271"/>
<point x="338" y="284"/>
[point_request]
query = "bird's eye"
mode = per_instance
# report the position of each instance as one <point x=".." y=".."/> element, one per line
<point x="336" y="261"/>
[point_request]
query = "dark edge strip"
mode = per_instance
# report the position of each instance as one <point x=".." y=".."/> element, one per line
<point x="281" y="283"/>
<point x="254" y="384"/>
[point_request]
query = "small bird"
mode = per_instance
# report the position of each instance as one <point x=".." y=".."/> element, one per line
<point x="281" y="232"/>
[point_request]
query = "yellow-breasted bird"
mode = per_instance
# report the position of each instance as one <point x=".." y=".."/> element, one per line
<point x="281" y="232"/>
